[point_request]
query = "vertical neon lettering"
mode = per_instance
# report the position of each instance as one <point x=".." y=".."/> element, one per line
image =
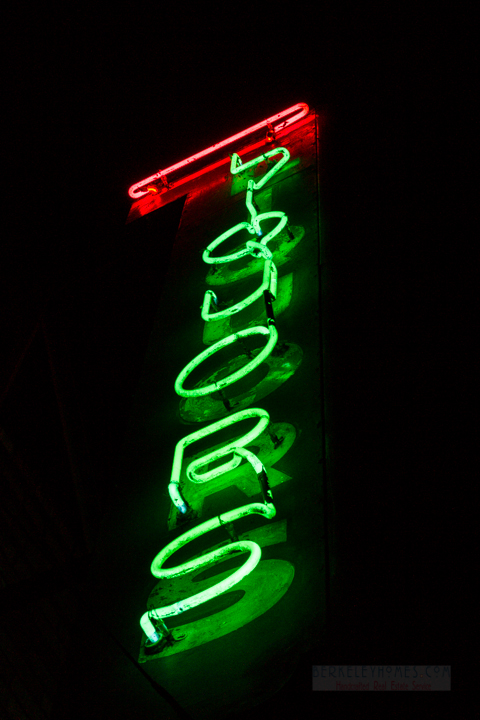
<point x="234" y="452"/>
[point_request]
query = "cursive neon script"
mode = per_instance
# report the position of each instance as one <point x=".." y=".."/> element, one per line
<point x="234" y="452"/>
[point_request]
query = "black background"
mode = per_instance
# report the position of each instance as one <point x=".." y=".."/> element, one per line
<point x="96" y="100"/>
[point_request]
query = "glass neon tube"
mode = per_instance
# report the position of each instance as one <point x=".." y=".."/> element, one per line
<point x="296" y="111"/>
<point x="246" y="439"/>
<point x="271" y="331"/>
<point x="224" y="236"/>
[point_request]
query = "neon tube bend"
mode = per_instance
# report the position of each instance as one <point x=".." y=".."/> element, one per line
<point x="245" y="439"/>
<point x="253" y="227"/>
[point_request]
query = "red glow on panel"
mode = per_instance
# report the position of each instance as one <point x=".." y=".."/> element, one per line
<point x="296" y="111"/>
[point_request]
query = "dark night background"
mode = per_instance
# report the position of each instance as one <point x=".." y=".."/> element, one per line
<point x="97" y="100"/>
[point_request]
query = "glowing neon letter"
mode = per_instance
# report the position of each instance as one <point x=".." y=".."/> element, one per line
<point x="268" y="510"/>
<point x="246" y="439"/>
<point x="271" y="331"/>
<point x="269" y="283"/>
<point x="236" y="166"/>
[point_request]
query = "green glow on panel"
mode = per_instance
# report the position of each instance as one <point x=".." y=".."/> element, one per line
<point x="271" y="331"/>
<point x="255" y="217"/>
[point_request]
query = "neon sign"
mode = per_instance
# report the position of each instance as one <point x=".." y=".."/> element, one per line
<point x="231" y="454"/>
<point x="289" y="116"/>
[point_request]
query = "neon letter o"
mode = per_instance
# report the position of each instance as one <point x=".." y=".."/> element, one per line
<point x="271" y="331"/>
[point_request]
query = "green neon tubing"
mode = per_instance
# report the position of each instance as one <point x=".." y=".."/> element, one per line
<point x="224" y="236"/>
<point x="261" y="473"/>
<point x="271" y="331"/>
<point x="237" y="166"/>
<point x="278" y="228"/>
<point x="252" y="209"/>
<point x="211" y="558"/>
<point x="269" y="283"/>
<point x="267" y="509"/>
<point x="239" y="452"/>
<point x="273" y="282"/>
<point x="246" y="439"/>
<point x="258" y="218"/>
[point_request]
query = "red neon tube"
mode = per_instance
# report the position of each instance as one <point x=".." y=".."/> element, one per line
<point x="300" y="111"/>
